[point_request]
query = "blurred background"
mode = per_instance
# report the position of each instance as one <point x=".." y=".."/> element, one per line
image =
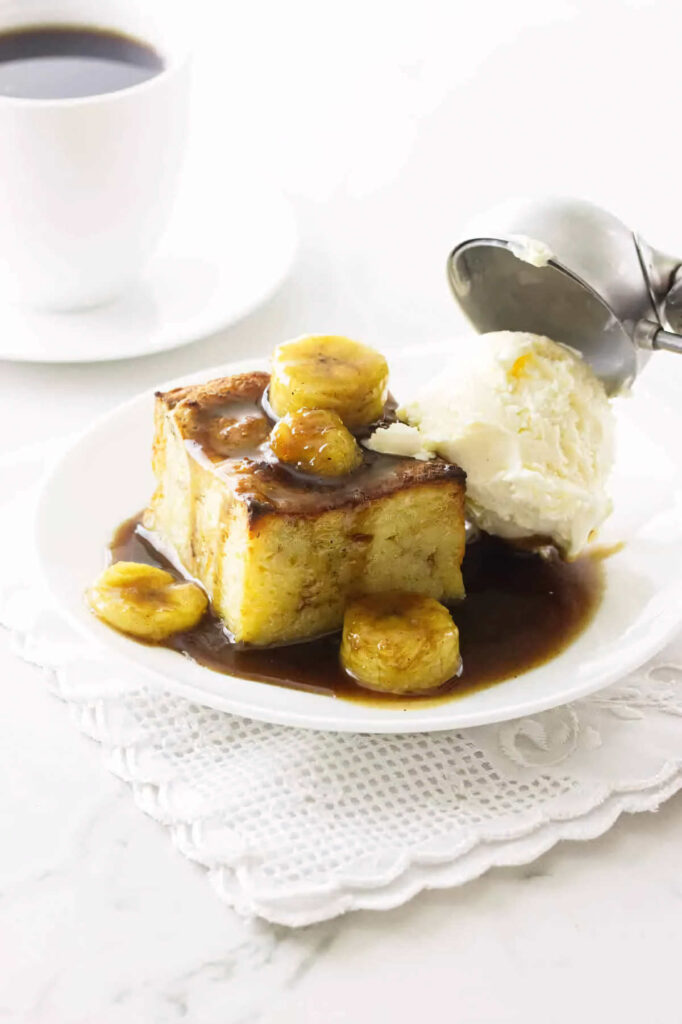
<point x="388" y="125"/>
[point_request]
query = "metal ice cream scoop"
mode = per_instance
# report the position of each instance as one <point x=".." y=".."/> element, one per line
<point x="574" y="272"/>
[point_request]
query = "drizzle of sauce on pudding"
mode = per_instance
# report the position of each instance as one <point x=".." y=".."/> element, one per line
<point x="226" y="425"/>
<point x="520" y="611"/>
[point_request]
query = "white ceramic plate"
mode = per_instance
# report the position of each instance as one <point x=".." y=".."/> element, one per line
<point x="106" y="477"/>
<point x="228" y="248"/>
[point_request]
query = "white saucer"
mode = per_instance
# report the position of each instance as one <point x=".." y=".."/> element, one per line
<point x="641" y="608"/>
<point x="226" y="251"/>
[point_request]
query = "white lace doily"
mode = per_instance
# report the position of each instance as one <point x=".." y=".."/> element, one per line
<point x="298" y="826"/>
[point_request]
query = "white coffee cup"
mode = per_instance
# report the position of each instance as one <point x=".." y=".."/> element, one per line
<point x="87" y="184"/>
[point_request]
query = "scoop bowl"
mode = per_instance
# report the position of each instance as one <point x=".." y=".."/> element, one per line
<point x="570" y="270"/>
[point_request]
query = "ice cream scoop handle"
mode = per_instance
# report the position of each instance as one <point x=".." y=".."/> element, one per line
<point x="650" y="336"/>
<point x="666" y="340"/>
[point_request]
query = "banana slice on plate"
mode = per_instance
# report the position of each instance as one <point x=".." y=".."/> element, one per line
<point x="315" y="441"/>
<point x="329" y="372"/>
<point x="146" y="602"/>
<point x="399" y="643"/>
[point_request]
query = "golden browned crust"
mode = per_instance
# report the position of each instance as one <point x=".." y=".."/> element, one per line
<point x="267" y="492"/>
<point x="224" y="416"/>
<point x="239" y="387"/>
<point x="226" y="420"/>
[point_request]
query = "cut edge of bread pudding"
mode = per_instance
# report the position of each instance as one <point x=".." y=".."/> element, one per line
<point x="279" y="552"/>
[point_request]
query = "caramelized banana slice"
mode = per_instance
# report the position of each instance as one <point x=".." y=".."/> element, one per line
<point x="329" y="372"/>
<point x="145" y="602"/>
<point x="315" y="441"/>
<point x="399" y="643"/>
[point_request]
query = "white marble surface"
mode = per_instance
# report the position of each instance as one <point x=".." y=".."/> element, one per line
<point x="414" y="116"/>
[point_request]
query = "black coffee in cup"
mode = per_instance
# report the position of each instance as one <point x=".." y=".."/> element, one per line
<point x="65" y="62"/>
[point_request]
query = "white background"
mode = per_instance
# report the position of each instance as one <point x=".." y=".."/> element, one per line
<point x="387" y="125"/>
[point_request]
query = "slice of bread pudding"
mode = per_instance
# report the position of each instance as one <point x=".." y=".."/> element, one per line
<point x="280" y="552"/>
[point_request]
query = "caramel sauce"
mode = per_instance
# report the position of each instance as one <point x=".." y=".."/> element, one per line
<point x="520" y="611"/>
<point x="228" y="434"/>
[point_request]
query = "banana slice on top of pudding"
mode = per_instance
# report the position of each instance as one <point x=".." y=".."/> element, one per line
<point x="315" y="441"/>
<point x="329" y="372"/>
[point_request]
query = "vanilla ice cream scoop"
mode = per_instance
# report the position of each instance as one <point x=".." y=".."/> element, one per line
<point x="533" y="428"/>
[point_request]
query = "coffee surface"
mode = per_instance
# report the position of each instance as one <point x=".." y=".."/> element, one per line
<point x="63" y="62"/>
